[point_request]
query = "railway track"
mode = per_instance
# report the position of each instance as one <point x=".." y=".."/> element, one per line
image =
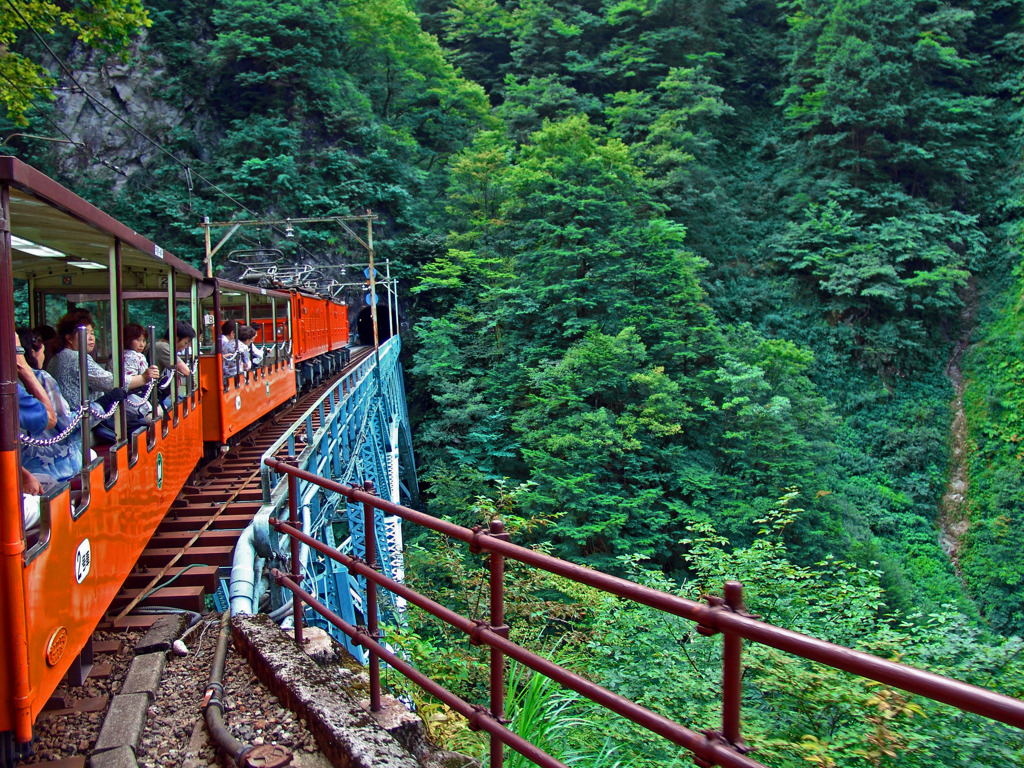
<point x="192" y="548"/>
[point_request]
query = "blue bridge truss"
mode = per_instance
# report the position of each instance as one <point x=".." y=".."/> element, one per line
<point x="356" y="432"/>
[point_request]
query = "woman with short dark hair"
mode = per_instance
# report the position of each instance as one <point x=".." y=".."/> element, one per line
<point x="135" y="365"/>
<point x="32" y="343"/>
<point x="64" y="364"/>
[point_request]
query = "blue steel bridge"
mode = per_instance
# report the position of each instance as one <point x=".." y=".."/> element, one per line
<point x="356" y="432"/>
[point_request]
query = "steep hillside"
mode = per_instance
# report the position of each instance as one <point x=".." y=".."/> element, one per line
<point x="693" y="286"/>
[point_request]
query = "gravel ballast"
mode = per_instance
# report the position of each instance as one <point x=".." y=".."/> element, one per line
<point x="174" y="733"/>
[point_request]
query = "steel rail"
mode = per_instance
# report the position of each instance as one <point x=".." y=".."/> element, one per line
<point x="242" y="484"/>
<point x="352" y="375"/>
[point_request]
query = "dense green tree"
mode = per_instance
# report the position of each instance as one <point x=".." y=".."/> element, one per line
<point x="886" y="121"/>
<point x="673" y="132"/>
<point x="991" y="555"/>
<point x="599" y="434"/>
<point x="108" y="25"/>
<point x="572" y="347"/>
<point x="697" y="253"/>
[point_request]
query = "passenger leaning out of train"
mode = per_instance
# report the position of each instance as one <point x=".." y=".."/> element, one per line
<point x="59" y="460"/>
<point x="34" y="418"/>
<point x="35" y="415"/>
<point x="36" y="412"/>
<point x="135" y="364"/>
<point x="102" y="390"/>
<point x="247" y="350"/>
<point x="183" y="335"/>
<point x="256" y="352"/>
<point x="229" y="351"/>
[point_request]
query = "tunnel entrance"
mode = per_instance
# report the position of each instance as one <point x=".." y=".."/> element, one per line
<point x="364" y="325"/>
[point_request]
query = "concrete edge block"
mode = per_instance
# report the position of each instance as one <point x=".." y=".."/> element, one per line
<point x="164" y="631"/>
<point x="122" y="757"/>
<point x="124" y="723"/>
<point x="144" y="674"/>
<point x="347" y="734"/>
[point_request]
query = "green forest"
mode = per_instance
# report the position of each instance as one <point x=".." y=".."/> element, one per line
<point x="691" y="291"/>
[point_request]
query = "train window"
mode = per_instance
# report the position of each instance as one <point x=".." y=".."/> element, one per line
<point x="49" y="308"/>
<point x="233" y="307"/>
<point x="21" y="314"/>
<point x="147" y="312"/>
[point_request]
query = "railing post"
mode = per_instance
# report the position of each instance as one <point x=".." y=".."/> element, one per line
<point x="86" y="424"/>
<point x="497" y="584"/>
<point x="83" y="381"/>
<point x="732" y="669"/>
<point x="370" y="535"/>
<point x="154" y="394"/>
<point x="293" y="519"/>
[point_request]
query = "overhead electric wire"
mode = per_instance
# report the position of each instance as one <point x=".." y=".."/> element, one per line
<point x="81" y="146"/>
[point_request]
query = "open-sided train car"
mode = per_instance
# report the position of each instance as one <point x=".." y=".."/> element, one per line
<point x="232" y="403"/>
<point x="320" y="335"/>
<point x="57" y="579"/>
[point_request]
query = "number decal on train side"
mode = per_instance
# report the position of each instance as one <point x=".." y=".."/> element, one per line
<point x="83" y="560"/>
<point x="159" y="471"/>
<point x="267" y="383"/>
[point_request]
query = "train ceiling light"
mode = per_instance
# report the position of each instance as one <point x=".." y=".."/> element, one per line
<point x="35" y="249"/>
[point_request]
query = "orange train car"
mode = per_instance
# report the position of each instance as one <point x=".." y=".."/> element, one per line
<point x="311" y="331"/>
<point x="303" y="338"/>
<point x="338" y="335"/>
<point x="233" y="402"/>
<point x="59" y="574"/>
<point x="321" y="335"/>
<point x="60" y="568"/>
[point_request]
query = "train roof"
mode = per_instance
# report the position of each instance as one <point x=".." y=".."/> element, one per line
<point x="231" y="286"/>
<point x="55" y="231"/>
<point x="302" y="291"/>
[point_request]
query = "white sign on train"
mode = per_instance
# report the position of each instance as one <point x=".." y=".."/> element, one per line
<point x="83" y="560"/>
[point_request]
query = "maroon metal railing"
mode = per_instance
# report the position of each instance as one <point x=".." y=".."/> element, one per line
<point x="725" y="614"/>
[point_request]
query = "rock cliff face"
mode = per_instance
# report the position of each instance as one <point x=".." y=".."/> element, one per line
<point x="109" y="99"/>
<point x="125" y="117"/>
